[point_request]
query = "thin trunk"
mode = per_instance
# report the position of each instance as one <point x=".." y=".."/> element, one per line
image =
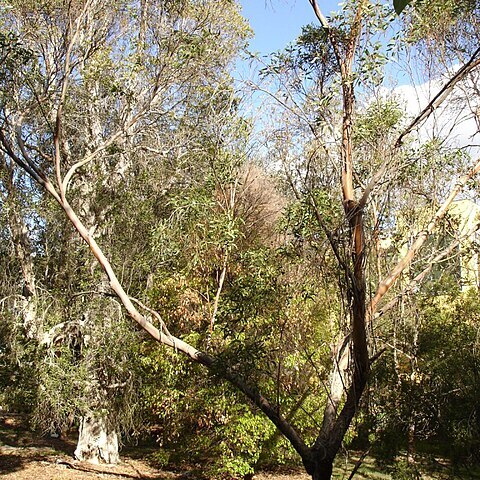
<point x="143" y="24"/>
<point x="411" y="442"/>
<point x="336" y="425"/>
<point x="338" y="385"/>
<point x="23" y="251"/>
<point x="219" y="291"/>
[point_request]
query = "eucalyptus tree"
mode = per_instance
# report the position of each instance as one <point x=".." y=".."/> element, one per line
<point x="126" y="90"/>
<point x="104" y="83"/>
<point x="367" y="163"/>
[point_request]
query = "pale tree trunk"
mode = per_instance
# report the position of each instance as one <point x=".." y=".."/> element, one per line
<point x="23" y="252"/>
<point x="339" y="381"/>
<point x="97" y="442"/>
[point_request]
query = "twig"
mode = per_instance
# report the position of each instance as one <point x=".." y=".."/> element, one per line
<point x="359" y="463"/>
<point x="163" y="327"/>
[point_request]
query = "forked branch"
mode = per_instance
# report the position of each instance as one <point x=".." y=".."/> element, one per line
<point x="387" y="283"/>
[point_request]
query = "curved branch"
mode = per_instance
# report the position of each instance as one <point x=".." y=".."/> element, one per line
<point x="57" y="131"/>
<point x="31" y="169"/>
<point x="87" y="159"/>
<point x="162" y="335"/>
<point x="321" y="17"/>
<point x="439" y="98"/>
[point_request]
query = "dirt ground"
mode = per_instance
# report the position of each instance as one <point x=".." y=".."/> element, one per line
<point x="24" y="456"/>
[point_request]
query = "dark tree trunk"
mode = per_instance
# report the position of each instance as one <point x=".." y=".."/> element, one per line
<point x="323" y="470"/>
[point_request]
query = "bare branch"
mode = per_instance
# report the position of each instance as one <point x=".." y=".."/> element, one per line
<point x="415" y="282"/>
<point x="219" y="291"/>
<point x="358" y="463"/>
<point x="441" y="96"/>
<point x="39" y="177"/>
<point x="331" y="240"/>
<point x="321" y="17"/>
<point x="57" y="132"/>
<point x="372" y="184"/>
<point x="87" y="159"/>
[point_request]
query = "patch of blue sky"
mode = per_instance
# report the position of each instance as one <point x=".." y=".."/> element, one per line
<point x="278" y="23"/>
<point x="275" y="25"/>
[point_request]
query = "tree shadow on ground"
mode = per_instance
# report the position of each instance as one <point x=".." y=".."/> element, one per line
<point x="10" y="463"/>
<point x="13" y="432"/>
<point x="20" y="447"/>
<point x="144" y="453"/>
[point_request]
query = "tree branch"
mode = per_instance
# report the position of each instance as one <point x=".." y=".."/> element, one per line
<point x="414" y="282"/>
<point x="321" y="17"/>
<point x="440" y="96"/>
<point x="166" y="338"/>
<point x="385" y="285"/>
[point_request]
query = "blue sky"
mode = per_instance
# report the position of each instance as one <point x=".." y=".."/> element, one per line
<point x="276" y="23"/>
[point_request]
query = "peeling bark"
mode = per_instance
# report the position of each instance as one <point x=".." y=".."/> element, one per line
<point x="23" y="252"/>
<point x="97" y="443"/>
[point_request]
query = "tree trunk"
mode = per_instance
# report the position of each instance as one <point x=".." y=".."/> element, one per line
<point x="339" y="383"/>
<point x="23" y="251"/>
<point x="97" y="443"/>
<point x="323" y="470"/>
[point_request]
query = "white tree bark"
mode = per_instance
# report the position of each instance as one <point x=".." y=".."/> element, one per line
<point x="23" y="251"/>
<point x="97" y="443"/>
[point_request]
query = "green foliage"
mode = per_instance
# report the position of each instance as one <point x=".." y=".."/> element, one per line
<point x="160" y="458"/>
<point x="12" y="51"/>
<point x="378" y="122"/>
<point x="445" y="29"/>
<point x="402" y="470"/>
<point x="314" y="54"/>
<point x="437" y="394"/>
<point x="19" y="378"/>
<point x="90" y="365"/>
<point x="300" y="216"/>
<point x="239" y="445"/>
<point x="202" y="421"/>
<point x="452" y="362"/>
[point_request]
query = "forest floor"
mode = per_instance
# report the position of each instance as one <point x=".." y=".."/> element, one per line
<point x="26" y="456"/>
